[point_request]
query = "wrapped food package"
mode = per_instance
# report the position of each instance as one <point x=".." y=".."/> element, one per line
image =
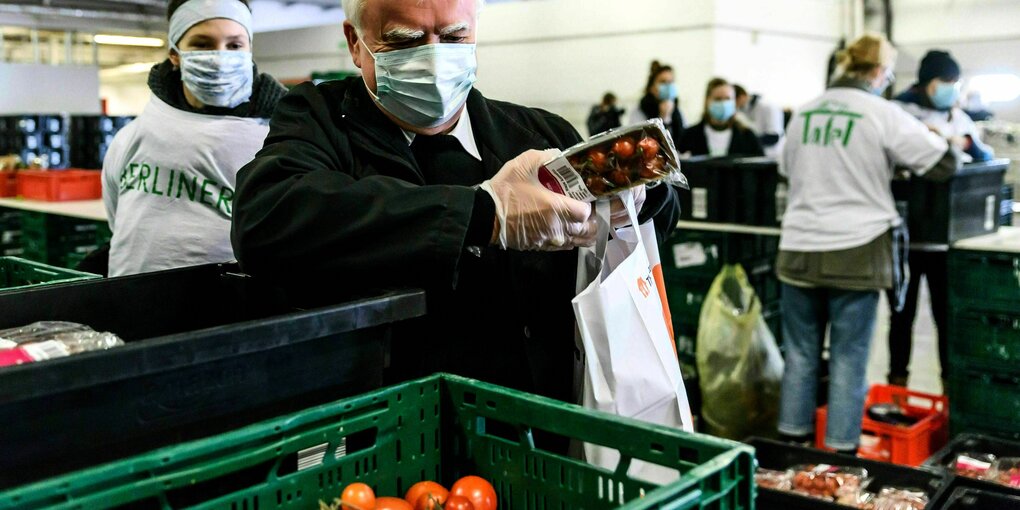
<point x="619" y="159"/>
<point x="834" y="483"/>
<point x="772" y="479"/>
<point x="972" y="465"/>
<point x="42" y="341"/>
<point x="1005" y="471"/>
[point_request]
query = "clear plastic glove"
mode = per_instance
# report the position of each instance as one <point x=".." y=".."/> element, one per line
<point x="529" y="216"/>
<point x="618" y="211"/>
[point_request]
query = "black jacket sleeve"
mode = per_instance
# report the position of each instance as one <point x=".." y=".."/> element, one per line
<point x="300" y="212"/>
<point x="747" y="144"/>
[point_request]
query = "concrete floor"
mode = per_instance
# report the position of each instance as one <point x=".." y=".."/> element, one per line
<point x="924" y="359"/>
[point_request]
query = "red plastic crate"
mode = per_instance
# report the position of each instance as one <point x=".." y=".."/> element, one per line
<point x="909" y="446"/>
<point x="60" y="185"/>
<point x="8" y="184"/>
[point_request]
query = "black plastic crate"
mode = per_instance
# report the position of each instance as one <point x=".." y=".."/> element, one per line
<point x="955" y="484"/>
<point x="943" y="460"/>
<point x="975" y="499"/>
<point x="762" y="192"/>
<point x="713" y="190"/>
<point x="208" y="350"/>
<point x="703" y="253"/>
<point x="776" y="455"/>
<point x="965" y="206"/>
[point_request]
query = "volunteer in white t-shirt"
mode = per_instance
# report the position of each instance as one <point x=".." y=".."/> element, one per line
<point x="836" y="250"/>
<point x="168" y="176"/>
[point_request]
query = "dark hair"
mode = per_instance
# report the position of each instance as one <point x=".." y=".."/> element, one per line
<point x="740" y="91"/>
<point x="655" y="71"/>
<point x="609" y="98"/>
<point x="713" y="83"/>
<point x="176" y="4"/>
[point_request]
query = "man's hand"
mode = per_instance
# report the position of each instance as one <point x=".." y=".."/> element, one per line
<point x="529" y="216"/>
<point x="618" y="212"/>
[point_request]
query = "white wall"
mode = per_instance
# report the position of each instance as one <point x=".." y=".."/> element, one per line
<point x="126" y="95"/>
<point x="40" y="88"/>
<point x="562" y="55"/>
<point x="983" y="36"/>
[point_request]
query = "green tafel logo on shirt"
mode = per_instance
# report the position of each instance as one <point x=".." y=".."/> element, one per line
<point x="828" y="124"/>
<point x="174" y="184"/>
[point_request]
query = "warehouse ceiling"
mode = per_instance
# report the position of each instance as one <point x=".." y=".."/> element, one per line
<point x="103" y="15"/>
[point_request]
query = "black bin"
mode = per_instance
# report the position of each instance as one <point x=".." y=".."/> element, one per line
<point x="713" y="190"/>
<point x="761" y="200"/>
<point x="208" y="350"/>
<point x="967" y="205"/>
<point x="779" y="456"/>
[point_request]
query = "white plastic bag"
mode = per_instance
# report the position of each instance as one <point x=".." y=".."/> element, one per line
<point x="630" y="365"/>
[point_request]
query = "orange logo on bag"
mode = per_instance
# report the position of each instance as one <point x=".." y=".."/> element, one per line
<point x="643" y="287"/>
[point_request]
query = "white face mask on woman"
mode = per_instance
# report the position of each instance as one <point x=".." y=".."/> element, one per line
<point x="218" y="78"/>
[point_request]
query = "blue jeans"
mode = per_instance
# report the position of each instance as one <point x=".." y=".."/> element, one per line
<point x="850" y="316"/>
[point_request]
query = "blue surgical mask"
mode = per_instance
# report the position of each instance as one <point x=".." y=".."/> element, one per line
<point x="945" y="95"/>
<point x="722" y="111"/>
<point x="425" y="86"/>
<point x="667" y="91"/>
<point x="218" y="78"/>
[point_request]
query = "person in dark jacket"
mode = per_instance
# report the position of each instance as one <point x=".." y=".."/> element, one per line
<point x="604" y="116"/>
<point x="661" y="101"/>
<point x="361" y="186"/>
<point x="720" y="133"/>
<point x="932" y="100"/>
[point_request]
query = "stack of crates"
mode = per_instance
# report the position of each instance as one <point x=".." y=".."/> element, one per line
<point x="691" y="259"/>
<point x="984" y="342"/>
<point x="39" y="140"/>
<point x="60" y="240"/>
<point x="91" y="136"/>
<point x="10" y="233"/>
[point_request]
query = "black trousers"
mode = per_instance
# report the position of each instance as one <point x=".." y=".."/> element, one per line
<point x="934" y="268"/>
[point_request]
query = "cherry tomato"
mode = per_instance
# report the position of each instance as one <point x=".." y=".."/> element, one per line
<point x="624" y="148"/>
<point x="357" y="496"/>
<point x="458" y="503"/>
<point x="433" y="489"/>
<point x="619" y="177"/>
<point x="596" y="184"/>
<point x="599" y="160"/>
<point x="649" y="148"/>
<point x="392" y="504"/>
<point x="652" y="169"/>
<point x="476" y="489"/>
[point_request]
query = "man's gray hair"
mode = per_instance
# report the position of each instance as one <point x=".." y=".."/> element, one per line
<point x="353" y="8"/>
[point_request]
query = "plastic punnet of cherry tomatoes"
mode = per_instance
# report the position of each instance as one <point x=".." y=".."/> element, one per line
<point x="475" y="489"/>
<point x="624" y="148"/>
<point x="387" y="503"/>
<point x="357" y="496"/>
<point x="597" y="184"/>
<point x="619" y="177"/>
<point x="458" y="503"/>
<point x="433" y="490"/>
<point x="649" y="148"/>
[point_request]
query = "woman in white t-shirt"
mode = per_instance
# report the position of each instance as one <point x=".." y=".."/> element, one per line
<point x="168" y="176"/>
<point x="836" y="250"/>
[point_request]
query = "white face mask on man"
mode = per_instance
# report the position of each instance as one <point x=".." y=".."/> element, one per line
<point x="424" y="86"/>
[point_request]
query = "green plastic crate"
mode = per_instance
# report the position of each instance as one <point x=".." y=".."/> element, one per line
<point x="16" y="273"/>
<point x="984" y="280"/>
<point x="991" y="400"/>
<point x="441" y="427"/>
<point x="985" y="339"/>
<point x="60" y="241"/>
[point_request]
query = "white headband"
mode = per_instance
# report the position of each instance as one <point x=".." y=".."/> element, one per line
<point x="194" y="12"/>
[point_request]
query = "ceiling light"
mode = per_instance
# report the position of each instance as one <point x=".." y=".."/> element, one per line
<point x="127" y="40"/>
